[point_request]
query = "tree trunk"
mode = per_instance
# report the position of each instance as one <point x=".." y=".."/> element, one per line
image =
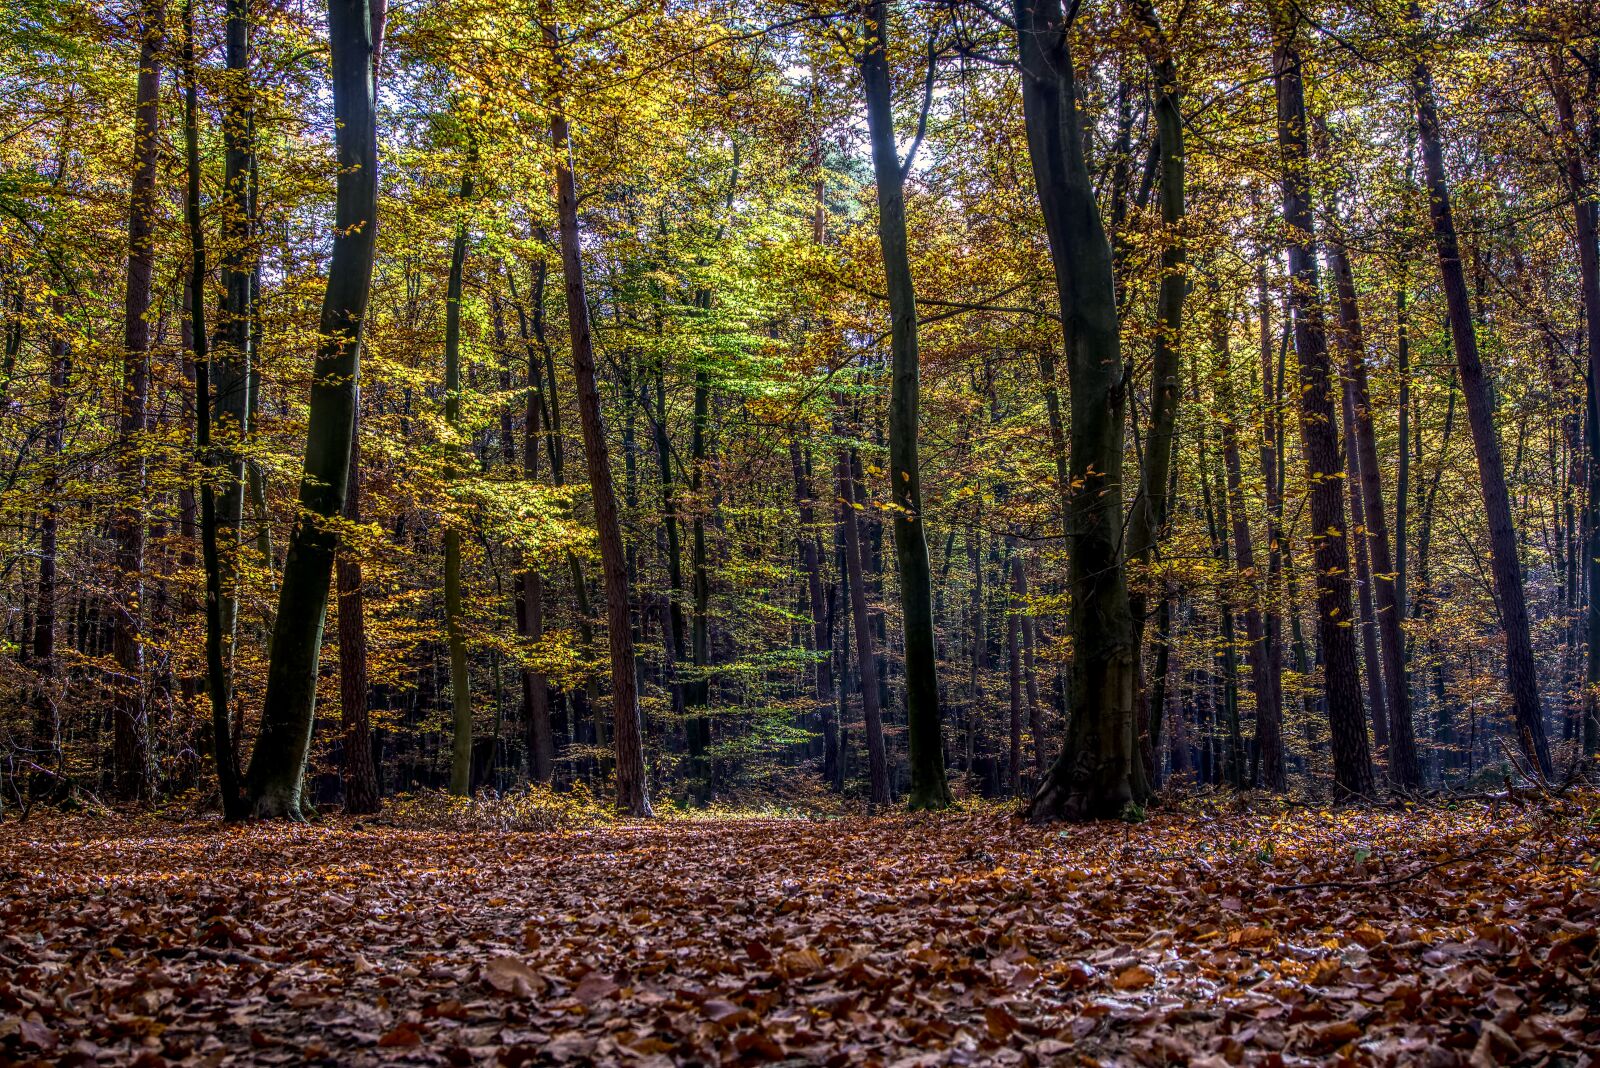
<point x="1373" y="677"/>
<point x="1405" y="773"/>
<point x="1097" y="774"/>
<point x="929" y="788"/>
<point x="632" y="792"/>
<point x="821" y="626"/>
<point x="1585" y="212"/>
<point x="218" y="686"/>
<point x="277" y="766"/>
<point x="866" y="658"/>
<point x="1319" y="428"/>
<point x="1521" y="676"/>
<point x="360" y="777"/>
<point x="1269" y="749"/>
<point x="1269" y="730"/>
<point x="455" y="624"/>
<point x="130" y="755"/>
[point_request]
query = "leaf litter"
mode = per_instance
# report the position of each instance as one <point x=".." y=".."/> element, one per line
<point x="1209" y="935"/>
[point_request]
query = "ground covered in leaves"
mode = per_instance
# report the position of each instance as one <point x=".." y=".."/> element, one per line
<point x="1204" y="936"/>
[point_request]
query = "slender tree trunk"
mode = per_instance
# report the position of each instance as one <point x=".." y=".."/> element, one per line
<point x="866" y="656"/>
<point x="1150" y="507"/>
<point x="277" y="765"/>
<point x="1373" y="677"/>
<point x="1270" y="749"/>
<point x="1586" y="215"/>
<point x="929" y="788"/>
<point x="1269" y="730"/>
<point x="454" y="614"/>
<point x="1019" y="593"/>
<point x="1319" y="429"/>
<point x="231" y="355"/>
<point x="1521" y="676"/>
<point x="359" y="774"/>
<point x="697" y="694"/>
<point x="130" y="755"/>
<point x="217" y="639"/>
<point x="632" y="791"/>
<point x="1097" y="774"/>
<point x="821" y="627"/>
<point x="1405" y="773"/>
<point x="46" y="743"/>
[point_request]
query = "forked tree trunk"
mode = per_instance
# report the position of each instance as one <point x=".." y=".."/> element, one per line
<point x="1097" y="774"/>
<point x="1522" y="680"/>
<point x="1319" y="428"/>
<point x="632" y="792"/>
<point x="277" y="765"/>
<point x="929" y="788"/>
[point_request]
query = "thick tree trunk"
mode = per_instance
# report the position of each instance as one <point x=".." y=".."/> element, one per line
<point x="1521" y="676"/>
<point x="1097" y="774"/>
<point x="929" y="788"/>
<point x="866" y="657"/>
<point x="130" y="755"/>
<point x="1319" y="429"/>
<point x="454" y="614"/>
<point x="277" y="765"/>
<point x="1405" y="773"/>
<point x="632" y="791"/>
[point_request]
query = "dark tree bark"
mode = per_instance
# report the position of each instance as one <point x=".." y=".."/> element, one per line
<point x="46" y="742"/>
<point x="866" y="656"/>
<point x="1097" y="773"/>
<point x="821" y="625"/>
<point x="1405" y="773"/>
<point x="1319" y="428"/>
<point x="929" y="788"/>
<point x="218" y="686"/>
<point x="455" y="626"/>
<point x="1522" y="680"/>
<point x="130" y="753"/>
<point x="1373" y="676"/>
<point x="231" y="355"/>
<point x="1268" y="729"/>
<point x="632" y="791"/>
<point x="359" y="775"/>
<point x="277" y="765"/>
<point x="1586" y="215"/>
<point x="530" y="582"/>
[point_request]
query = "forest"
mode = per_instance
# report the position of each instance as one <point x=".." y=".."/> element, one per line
<point x="807" y="531"/>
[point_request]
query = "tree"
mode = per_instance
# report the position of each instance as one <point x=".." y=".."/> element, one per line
<point x="131" y="758"/>
<point x="1319" y="429"/>
<point x="277" y="765"/>
<point x="928" y="787"/>
<point x="1094" y="777"/>
<point x="632" y="795"/>
<point x="1522" y="681"/>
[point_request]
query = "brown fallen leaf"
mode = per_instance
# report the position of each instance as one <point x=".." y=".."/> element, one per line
<point x="594" y="987"/>
<point x="510" y="975"/>
<point x="1134" y="977"/>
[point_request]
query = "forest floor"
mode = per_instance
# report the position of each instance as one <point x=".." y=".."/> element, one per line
<point x="1208" y="935"/>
